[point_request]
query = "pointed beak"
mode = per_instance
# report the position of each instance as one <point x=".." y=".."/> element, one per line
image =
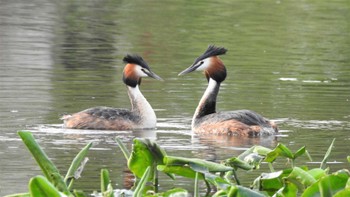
<point x="188" y="70"/>
<point x="154" y="76"/>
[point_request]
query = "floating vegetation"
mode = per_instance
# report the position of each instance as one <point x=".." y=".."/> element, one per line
<point x="147" y="159"/>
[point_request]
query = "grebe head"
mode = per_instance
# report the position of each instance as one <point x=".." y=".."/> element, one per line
<point x="135" y="69"/>
<point x="210" y="63"/>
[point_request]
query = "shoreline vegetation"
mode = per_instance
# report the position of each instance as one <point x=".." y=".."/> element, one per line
<point x="147" y="159"/>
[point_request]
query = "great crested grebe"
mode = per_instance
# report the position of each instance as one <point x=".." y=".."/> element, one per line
<point x="206" y="120"/>
<point x="141" y="115"/>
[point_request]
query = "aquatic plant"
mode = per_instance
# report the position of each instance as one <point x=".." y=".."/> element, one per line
<point x="147" y="158"/>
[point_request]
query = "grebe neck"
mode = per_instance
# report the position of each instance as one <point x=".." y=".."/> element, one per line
<point x="207" y="104"/>
<point x="141" y="107"/>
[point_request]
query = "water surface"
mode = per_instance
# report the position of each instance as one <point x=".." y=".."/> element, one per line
<point x="287" y="60"/>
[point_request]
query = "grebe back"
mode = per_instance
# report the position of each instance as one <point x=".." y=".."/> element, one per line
<point x="141" y="114"/>
<point x="206" y="120"/>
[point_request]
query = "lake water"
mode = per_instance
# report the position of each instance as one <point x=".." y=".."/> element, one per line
<point x="288" y="60"/>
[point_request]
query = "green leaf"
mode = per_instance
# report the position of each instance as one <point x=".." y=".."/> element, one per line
<point x="77" y="165"/>
<point x="246" y="192"/>
<point x="105" y="181"/>
<point x="176" y="192"/>
<point x="255" y="149"/>
<point x="145" y="153"/>
<point x="327" y="186"/>
<point x="317" y="173"/>
<point x="342" y="193"/>
<point x="140" y="159"/>
<point x="79" y="193"/>
<point x="181" y="170"/>
<point x="280" y="150"/>
<point x="217" y="181"/>
<point x="123" y="148"/>
<point x="288" y="190"/>
<point x="39" y="186"/>
<point x="301" y="176"/>
<point x="47" y="167"/>
<point x="235" y="162"/>
<point x="324" y="161"/>
<point x="299" y="152"/>
<point x="210" y="166"/>
<point x="271" y="181"/>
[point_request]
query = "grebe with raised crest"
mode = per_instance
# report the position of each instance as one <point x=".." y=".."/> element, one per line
<point x="206" y="120"/>
<point x="141" y="115"/>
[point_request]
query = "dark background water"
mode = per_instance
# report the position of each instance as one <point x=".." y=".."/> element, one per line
<point x="288" y="60"/>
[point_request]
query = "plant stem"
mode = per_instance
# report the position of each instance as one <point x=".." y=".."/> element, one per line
<point x="155" y="178"/>
<point x="196" y="194"/>
<point x="236" y="178"/>
<point x="271" y="167"/>
<point x="208" y="187"/>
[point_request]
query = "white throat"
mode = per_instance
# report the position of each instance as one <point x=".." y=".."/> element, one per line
<point x="212" y="85"/>
<point x="140" y="106"/>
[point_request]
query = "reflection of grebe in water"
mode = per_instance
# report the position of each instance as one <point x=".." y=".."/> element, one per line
<point x="206" y="120"/>
<point x="141" y="114"/>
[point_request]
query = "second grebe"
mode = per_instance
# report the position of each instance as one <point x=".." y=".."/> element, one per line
<point x="206" y="120"/>
<point x="141" y="114"/>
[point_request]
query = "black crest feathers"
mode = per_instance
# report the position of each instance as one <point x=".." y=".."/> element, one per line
<point x="211" y="51"/>
<point x="135" y="59"/>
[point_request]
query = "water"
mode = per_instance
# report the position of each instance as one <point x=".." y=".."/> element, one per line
<point x="287" y="60"/>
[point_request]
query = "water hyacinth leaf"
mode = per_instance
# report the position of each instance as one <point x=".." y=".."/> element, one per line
<point x="288" y="190"/>
<point x="105" y="181"/>
<point x="123" y="148"/>
<point x="317" y="173"/>
<point x="280" y="150"/>
<point x="198" y="168"/>
<point x="211" y="166"/>
<point x="240" y="191"/>
<point x="327" y="186"/>
<point x="39" y="186"/>
<point x="331" y="186"/>
<point x="157" y="151"/>
<point x="326" y="156"/>
<point x="145" y="153"/>
<point x="261" y="150"/>
<point x="218" y="181"/>
<point x="140" y="158"/>
<point x="299" y="152"/>
<point x="270" y="181"/>
<point x="176" y="192"/>
<point x="342" y="193"/>
<point x="77" y="164"/>
<point x="254" y="160"/>
<point x="79" y="193"/>
<point x="181" y="170"/>
<point x="255" y="149"/>
<point x="301" y="176"/>
<point x="47" y="167"/>
<point x="235" y="162"/>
